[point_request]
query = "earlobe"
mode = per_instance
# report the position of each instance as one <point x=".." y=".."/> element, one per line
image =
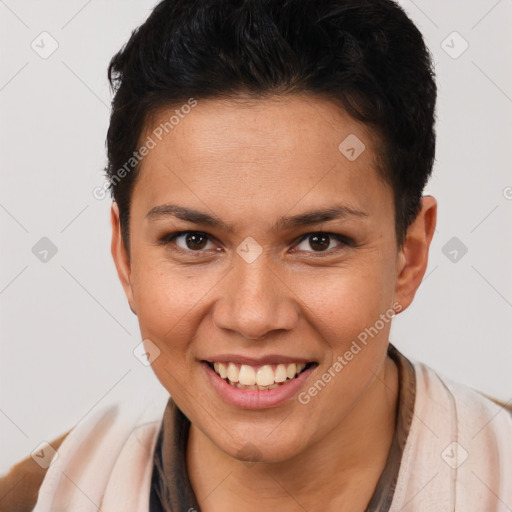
<point x="413" y="257"/>
<point x="120" y="256"/>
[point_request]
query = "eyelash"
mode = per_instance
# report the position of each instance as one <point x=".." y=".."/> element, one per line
<point x="345" y="241"/>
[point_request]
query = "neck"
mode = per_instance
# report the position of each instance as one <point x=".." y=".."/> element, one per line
<point x="342" y="469"/>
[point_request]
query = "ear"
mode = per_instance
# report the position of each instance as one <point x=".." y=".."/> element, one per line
<point x="413" y="256"/>
<point x="120" y="256"/>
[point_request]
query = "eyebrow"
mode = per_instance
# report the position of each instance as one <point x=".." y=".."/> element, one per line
<point x="283" y="223"/>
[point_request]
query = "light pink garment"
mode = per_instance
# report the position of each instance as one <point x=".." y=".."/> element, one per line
<point x="458" y="456"/>
<point x="106" y="461"/>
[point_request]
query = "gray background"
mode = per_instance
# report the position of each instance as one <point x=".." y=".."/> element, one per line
<point x="67" y="334"/>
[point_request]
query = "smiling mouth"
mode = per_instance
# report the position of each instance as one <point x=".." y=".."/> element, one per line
<point x="261" y="378"/>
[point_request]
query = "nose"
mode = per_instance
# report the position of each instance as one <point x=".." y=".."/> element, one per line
<point x="255" y="301"/>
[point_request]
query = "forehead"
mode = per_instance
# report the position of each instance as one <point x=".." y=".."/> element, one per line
<point x="282" y="149"/>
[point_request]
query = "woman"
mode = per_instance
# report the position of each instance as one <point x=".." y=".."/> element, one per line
<point x="267" y="162"/>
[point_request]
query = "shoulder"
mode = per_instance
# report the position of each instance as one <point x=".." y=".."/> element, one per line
<point x="505" y="405"/>
<point x="457" y="439"/>
<point x="102" y="445"/>
<point x="20" y="486"/>
<point x="465" y="400"/>
<point x="110" y="452"/>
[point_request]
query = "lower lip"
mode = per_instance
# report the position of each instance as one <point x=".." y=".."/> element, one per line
<point x="253" y="398"/>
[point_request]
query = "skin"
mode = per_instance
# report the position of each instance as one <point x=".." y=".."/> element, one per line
<point x="250" y="163"/>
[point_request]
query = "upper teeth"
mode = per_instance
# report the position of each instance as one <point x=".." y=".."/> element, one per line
<point x="262" y="376"/>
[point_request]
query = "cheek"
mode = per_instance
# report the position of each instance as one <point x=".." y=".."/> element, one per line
<point x="167" y="304"/>
<point x="346" y="300"/>
<point x="166" y="300"/>
<point x="352" y="313"/>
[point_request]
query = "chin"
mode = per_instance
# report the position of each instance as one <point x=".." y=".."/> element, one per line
<point x="264" y="450"/>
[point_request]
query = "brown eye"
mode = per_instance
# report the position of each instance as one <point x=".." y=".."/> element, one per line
<point x="191" y="241"/>
<point x="195" y="241"/>
<point x="321" y="242"/>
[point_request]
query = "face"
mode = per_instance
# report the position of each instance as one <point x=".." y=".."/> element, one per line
<point x="255" y="241"/>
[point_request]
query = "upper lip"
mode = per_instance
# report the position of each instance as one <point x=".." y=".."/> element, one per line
<point x="256" y="361"/>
